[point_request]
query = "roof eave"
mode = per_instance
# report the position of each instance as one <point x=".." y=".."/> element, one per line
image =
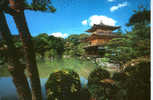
<point x="111" y="28"/>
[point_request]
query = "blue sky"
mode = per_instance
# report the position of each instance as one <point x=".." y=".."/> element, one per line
<point x="76" y="16"/>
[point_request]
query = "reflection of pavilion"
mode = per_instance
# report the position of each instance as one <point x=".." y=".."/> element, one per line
<point x="101" y="34"/>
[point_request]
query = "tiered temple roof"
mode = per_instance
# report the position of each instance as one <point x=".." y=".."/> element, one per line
<point x="102" y="31"/>
<point x="102" y="27"/>
<point x="100" y="35"/>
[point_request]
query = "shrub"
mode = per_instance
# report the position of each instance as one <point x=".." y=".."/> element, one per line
<point x="130" y="84"/>
<point x="138" y="83"/>
<point x="85" y="94"/>
<point x="97" y="75"/>
<point x="105" y="91"/>
<point x="100" y="85"/>
<point x="119" y="76"/>
<point x="120" y="79"/>
<point x="134" y="82"/>
<point x="63" y="85"/>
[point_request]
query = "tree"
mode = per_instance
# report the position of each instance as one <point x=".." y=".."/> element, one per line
<point x="3" y="58"/>
<point x="135" y="43"/>
<point x="29" y="54"/>
<point x="120" y="51"/>
<point x="51" y="54"/>
<point x="140" y="17"/>
<point x="134" y="81"/>
<point x="14" y="65"/>
<point x="41" y="44"/>
<point x="16" y="9"/>
<point x="74" y="45"/>
<point x="49" y="45"/>
<point x="140" y="34"/>
<point x="57" y="44"/>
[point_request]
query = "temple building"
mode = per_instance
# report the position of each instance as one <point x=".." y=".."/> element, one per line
<point x="100" y="35"/>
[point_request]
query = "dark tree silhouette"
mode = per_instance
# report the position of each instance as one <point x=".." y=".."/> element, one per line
<point x="14" y="65"/>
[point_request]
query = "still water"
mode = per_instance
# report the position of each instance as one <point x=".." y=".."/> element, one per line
<point x="8" y="90"/>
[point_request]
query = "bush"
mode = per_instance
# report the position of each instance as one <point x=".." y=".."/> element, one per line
<point x="63" y="85"/>
<point x="138" y="83"/>
<point x="85" y="94"/>
<point x="100" y="85"/>
<point x="97" y="75"/>
<point x="119" y="76"/>
<point x="120" y="79"/>
<point x="134" y="82"/>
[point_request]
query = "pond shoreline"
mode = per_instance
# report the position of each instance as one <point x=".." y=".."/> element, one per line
<point x="8" y="90"/>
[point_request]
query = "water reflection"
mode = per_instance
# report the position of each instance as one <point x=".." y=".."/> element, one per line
<point x="8" y="90"/>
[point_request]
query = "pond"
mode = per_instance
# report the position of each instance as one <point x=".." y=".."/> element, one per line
<point x="8" y="90"/>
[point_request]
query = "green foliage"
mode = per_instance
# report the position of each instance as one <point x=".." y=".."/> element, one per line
<point x="105" y="91"/>
<point x="140" y="70"/>
<point x="104" y="59"/>
<point x="140" y="36"/>
<point x="97" y="75"/>
<point x="57" y="44"/>
<point x="3" y="49"/>
<point x="51" y="53"/>
<point x="3" y="4"/>
<point x="63" y="85"/>
<point x="119" y="51"/>
<point x="119" y="76"/>
<point x="42" y="5"/>
<point x="85" y="94"/>
<point x="49" y="45"/>
<point x="74" y="45"/>
<point x="140" y="17"/>
<point x="139" y="81"/>
<point x="133" y="44"/>
<point x="3" y="53"/>
<point x="41" y="43"/>
<point x="134" y="82"/>
<point x="100" y="85"/>
<point x="35" y="5"/>
<point x="4" y="71"/>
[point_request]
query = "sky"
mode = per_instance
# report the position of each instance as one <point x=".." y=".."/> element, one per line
<point x="76" y="16"/>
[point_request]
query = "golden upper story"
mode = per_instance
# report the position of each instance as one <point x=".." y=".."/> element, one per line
<point x="101" y="34"/>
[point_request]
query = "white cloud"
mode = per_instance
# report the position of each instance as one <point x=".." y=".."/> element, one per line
<point x="110" y="0"/>
<point x="59" y="34"/>
<point x="120" y="5"/>
<point x="84" y="22"/>
<point x="97" y="19"/>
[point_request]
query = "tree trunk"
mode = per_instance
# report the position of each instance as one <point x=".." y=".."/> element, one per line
<point x="14" y="65"/>
<point x="25" y="36"/>
<point x="19" y="17"/>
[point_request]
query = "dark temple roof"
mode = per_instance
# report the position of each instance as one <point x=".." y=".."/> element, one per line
<point x="102" y="26"/>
